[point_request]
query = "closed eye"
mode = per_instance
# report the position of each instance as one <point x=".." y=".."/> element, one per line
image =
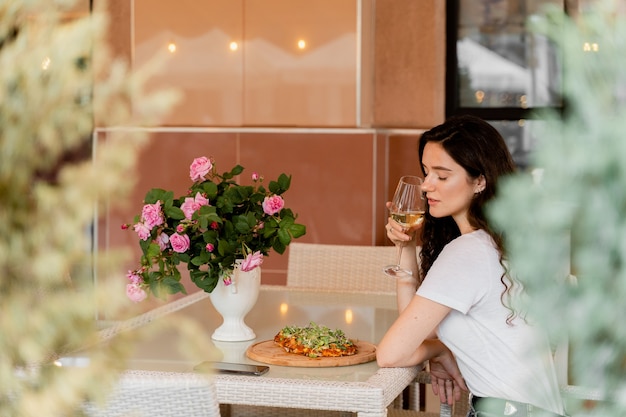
<point x="440" y="178"/>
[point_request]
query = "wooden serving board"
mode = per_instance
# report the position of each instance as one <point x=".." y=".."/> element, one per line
<point x="270" y="352"/>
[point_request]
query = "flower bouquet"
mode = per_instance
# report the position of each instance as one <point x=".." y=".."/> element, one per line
<point x="215" y="224"/>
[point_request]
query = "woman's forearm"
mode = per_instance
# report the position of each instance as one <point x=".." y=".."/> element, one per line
<point x="407" y="342"/>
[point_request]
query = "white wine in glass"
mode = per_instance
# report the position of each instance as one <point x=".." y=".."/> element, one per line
<point x="407" y="208"/>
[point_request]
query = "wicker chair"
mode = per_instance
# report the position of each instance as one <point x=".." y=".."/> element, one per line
<point x="345" y="267"/>
<point x="163" y="394"/>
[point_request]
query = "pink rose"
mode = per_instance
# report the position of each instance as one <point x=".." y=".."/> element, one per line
<point x="162" y="240"/>
<point x="199" y="168"/>
<point x="135" y="293"/>
<point x="273" y="204"/>
<point x="188" y="207"/>
<point x="191" y="205"/>
<point x="210" y="247"/>
<point x="133" y="277"/>
<point x="255" y="176"/>
<point x="227" y="280"/>
<point x="201" y="200"/>
<point x="180" y="243"/>
<point x="251" y="261"/>
<point x="151" y="215"/>
<point x="142" y="230"/>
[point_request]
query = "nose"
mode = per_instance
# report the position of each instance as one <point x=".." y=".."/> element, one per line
<point x="427" y="185"/>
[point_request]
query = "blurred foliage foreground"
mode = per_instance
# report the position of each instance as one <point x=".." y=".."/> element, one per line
<point x="49" y="189"/>
<point x="572" y="212"/>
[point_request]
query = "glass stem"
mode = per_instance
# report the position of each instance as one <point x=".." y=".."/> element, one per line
<point x="399" y="251"/>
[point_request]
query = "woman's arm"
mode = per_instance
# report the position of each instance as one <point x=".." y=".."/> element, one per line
<point x="407" y="342"/>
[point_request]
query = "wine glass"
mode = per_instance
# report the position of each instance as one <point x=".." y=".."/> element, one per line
<point x="407" y="208"/>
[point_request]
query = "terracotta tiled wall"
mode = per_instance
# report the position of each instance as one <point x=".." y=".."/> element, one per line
<point x="345" y="143"/>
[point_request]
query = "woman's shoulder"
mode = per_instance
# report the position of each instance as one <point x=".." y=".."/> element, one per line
<point x="477" y="238"/>
<point x="476" y="245"/>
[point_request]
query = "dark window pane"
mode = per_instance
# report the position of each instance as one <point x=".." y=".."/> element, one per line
<point x="499" y="63"/>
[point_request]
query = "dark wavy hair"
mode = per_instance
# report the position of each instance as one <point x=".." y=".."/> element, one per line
<point x="478" y="147"/>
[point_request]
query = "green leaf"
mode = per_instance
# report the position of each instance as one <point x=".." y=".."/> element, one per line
<point x="197" y="260"/>
<point x="205" y="216"/>
<point x="242" y="225"/>
<point x="225" y="204"/>
<point x="284" y="236"/>
<point x="175" y="273"/>
<point x="281" y="185"/>
<point x="204" y="280"/>
<point x="144" y="245"/>
<point x="157" y="194"/>
<point x="238" y="169"/>
<point x="279" y="247"/>
<point x="287" y="212"/>
<point x="207" y="210"/>
<point x="284" y="181"/>
<point x="153" y="250"/>
<point x="174" y="212"/>
<point x="224" y="247"/>
<point x="210" y="189"/>
<point x="172" y="286"/>
<point x="297" y="230"/>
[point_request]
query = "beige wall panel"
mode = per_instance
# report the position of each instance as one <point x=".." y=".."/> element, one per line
<point x="290" y="86"/>
<point x="196" y="38"/>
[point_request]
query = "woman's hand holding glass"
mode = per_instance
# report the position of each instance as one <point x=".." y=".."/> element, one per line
<point x="406" y="215"/>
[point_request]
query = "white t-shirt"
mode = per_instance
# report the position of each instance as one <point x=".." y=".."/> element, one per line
<point x="496" y="359"/>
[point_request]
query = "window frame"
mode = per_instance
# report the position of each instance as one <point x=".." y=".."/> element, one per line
<point x="452" y="91"/>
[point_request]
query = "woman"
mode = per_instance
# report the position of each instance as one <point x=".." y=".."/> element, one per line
<point x="461" y="309"/>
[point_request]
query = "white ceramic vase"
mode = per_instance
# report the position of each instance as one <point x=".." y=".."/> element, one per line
<point x="233" y="302"/>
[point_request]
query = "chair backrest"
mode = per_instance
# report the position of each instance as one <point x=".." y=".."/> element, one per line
<point x="340" y="267"/>
<point x="163" y="394"/>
